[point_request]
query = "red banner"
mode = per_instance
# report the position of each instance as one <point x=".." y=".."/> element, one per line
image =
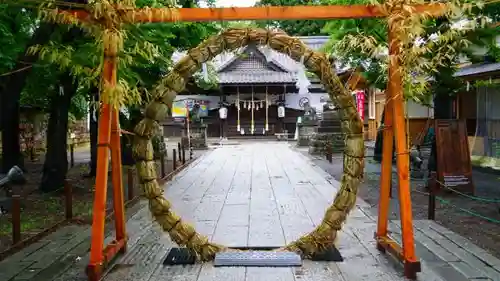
<point x="360" y="103"/>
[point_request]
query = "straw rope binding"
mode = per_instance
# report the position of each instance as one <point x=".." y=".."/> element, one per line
<point x="324" y="235"/>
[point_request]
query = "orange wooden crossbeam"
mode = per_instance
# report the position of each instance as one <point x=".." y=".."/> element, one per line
<point x="262" y="13"/>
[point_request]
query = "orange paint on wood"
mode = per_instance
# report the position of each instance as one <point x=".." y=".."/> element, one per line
<point x="99" y="208"/>
<point x="117" y="177"/>
<point x="402" y="156"/>
<point x="262" y="13"/>
<point x="386" y="173"/>
<point x="108" y="139"/>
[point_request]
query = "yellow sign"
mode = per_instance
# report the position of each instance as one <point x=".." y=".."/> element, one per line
<point x="179" y="109"/>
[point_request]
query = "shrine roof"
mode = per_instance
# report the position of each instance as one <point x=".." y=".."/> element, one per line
<point x="262" y="76"/>
<point x="478" y="70"/>
<point x="260" y="64"/>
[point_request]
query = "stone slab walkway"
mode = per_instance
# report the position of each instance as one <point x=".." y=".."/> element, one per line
<point x="267" y="194"/>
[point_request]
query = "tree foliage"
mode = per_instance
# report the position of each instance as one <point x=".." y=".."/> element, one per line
<point x="294" y="27"/>
<point x="431" y="47"/>
<point x="16" y="26"/>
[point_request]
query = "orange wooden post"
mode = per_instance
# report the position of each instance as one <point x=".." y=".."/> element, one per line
<point x="108" y="120"/>
<point x="94" y="269"/>
<point x="411" y="264"/>
<point x="386" y="173"/>
<point x="117" y="178"/>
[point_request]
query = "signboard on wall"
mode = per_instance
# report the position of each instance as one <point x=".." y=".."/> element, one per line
<point x="454" y="166"/>
<point x="359" y="96"/>
<point x="179" y="108"/>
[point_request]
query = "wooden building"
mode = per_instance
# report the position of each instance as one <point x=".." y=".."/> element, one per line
<point x="255" y="81"/>
<point x="478" y="106"/>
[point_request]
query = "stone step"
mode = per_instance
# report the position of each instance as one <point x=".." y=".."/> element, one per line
<point x="328" y="115"/>
<point x="317" y="145"/>
<point x="330" y="123"/>
<point x="329" y="130"/>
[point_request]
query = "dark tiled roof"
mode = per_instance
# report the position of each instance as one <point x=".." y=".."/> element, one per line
<point x="269" y="67"/>
<point x="477" y="69"/>
<point x="259" y="69"/>
<point x="261" y="76"/>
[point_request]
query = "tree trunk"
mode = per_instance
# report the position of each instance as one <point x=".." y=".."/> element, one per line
<point x="56" y="157"/>
<point x="11" y="87"/>
<point x="93" y="129"/>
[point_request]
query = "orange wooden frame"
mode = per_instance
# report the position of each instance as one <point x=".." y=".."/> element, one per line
<point x="108" y="143"/>
<point x="394" y="123"/>
<point x="261" y="13"/>
<point x="109" y="131"/>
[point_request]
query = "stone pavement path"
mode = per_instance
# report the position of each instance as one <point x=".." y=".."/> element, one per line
<point x="54" y="254"/>
<point x="267" y="194"/>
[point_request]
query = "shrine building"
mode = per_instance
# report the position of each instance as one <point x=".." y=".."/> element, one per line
<point x="263" y="92"/>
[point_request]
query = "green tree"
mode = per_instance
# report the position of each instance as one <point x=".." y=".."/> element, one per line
<point x="294" y="27"/>
<point x="374" y="68"/>
<point x="363" y="42"/>
<point x="430" y="56"/>
<point x="41" y="82"/>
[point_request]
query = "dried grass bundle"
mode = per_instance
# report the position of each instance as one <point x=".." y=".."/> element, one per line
<point x="185" y="235"/>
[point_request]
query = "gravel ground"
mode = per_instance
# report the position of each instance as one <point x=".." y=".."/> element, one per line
<point x="482" y="232"/>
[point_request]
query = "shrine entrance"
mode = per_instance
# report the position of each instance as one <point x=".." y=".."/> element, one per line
<point x="111" y="17"/>
<point x="324" y="235"/>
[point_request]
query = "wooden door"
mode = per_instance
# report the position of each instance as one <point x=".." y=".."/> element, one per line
<point x="453" y="155"/>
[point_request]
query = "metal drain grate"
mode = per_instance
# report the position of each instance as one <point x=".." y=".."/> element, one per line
<point x="258" y="258"/>
<point x="179" y="256"/>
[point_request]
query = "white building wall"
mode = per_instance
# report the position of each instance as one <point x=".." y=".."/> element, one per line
<point x="415" y="110"/>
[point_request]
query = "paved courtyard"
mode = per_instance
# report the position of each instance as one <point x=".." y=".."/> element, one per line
<point x="268" y="194"/>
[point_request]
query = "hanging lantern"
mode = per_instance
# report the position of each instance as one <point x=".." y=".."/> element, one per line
<point x="281" y="111"/>
<point x="261" y="103"/>
<point x="223" y="112"/>
<point x="257" y="107"/>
